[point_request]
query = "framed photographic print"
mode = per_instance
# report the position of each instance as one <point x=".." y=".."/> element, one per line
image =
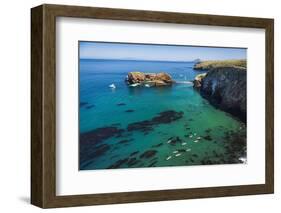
<point x="136" y="106"/>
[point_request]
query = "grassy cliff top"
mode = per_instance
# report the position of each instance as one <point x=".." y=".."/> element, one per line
<point x="206" y="65"/>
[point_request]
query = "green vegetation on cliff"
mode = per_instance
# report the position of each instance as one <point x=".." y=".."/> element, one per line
<point x="207" y="65"/>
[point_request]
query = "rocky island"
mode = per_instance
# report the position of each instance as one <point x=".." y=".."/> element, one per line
<point x="149" y="79"/>
<point x="224" y="85"/>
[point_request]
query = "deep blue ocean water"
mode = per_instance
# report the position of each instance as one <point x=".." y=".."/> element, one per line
<point x="204" y="135"/>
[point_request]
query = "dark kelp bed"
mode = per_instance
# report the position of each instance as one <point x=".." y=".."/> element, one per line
<point x="93" y="145"/>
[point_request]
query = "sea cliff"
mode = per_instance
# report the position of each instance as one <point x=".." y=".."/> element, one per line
<point x="225" y="87"/>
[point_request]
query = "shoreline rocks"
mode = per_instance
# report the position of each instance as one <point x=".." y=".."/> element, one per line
<point x="197" y="82"/>
<point x="149" y="79"/>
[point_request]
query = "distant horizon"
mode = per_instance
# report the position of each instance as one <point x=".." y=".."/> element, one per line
<point x="157" y="52"/>
<point x="114" y="59"/>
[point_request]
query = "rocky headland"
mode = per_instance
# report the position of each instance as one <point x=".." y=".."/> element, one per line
<point x="224" y="85"/>
<point x="149" y="79"/>
<point x="208" y="65"/>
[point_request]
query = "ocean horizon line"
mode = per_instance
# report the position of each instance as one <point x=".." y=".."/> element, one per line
<point x="179" y="61"/>
<point x="114" y="59"/>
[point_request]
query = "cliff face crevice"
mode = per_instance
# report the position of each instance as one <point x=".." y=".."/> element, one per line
<point x="226" y="88"/>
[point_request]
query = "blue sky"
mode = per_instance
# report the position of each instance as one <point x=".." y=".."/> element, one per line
<point x="126" y="51"/>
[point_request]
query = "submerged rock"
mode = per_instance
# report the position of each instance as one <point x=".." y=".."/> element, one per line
<point x="116" y="124"/>
<point x="157" y="145"/>
<point x="167" y="117"/>
<point x="130" y="110"/>
<point x="91" y="144"/>
<point x="235" y="145"/>
<point x="134" y="153"/>
<point x="91" y="153"/>
<point x="118" y="163"/>
<point x="133" y="161"/>
<point x="125" y="141"/>
<point x="98" y="135"/>
<point x="207" y="137"/>
<point x="208" y="130"/>
<point x="152" y="164"/>
<point x="164" y="117"/>
<point x="86" y="105"/>
<point x="82" y="104"/>
<point x="148" y="154"/>
<point x="90" y="106"/>
<point x="143" y="126"/>
<point x="149" y="79"/>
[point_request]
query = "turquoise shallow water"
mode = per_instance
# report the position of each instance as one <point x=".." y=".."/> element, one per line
<point x="184" y="129"/>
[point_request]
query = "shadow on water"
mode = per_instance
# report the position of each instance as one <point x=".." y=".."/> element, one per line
<point x="135" y="91"/>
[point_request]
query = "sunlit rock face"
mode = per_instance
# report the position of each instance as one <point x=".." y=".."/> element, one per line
<point x="149" y="79"/>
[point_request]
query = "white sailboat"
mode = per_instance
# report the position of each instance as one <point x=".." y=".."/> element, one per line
<point x="112" y="86"/>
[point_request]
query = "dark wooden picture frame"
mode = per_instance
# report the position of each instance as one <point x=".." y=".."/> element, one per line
<point x="43" y="105"/>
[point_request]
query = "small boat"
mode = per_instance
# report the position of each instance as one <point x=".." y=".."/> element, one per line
<point x="195" y="134"/>
<point x="183" y="144"/>
<point x="188" y="150"/>
<point x="178" y="154"/>
<point x="112" y="86"/>
<point x="134" y="85"/>
<point x="175" y="152"/>
<point x="147" y="85"/>
<point x="196" y="141"/>
<point x="169" y="141"/>
<point x="190" y="136"/>
<point x="168" y="158"/>
<point x="198" y="138"/>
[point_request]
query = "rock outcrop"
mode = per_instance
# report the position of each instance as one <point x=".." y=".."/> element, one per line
<point x="149" y="79"/>
<point x="197" y="82"/>
<point x="225" y="87"/>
